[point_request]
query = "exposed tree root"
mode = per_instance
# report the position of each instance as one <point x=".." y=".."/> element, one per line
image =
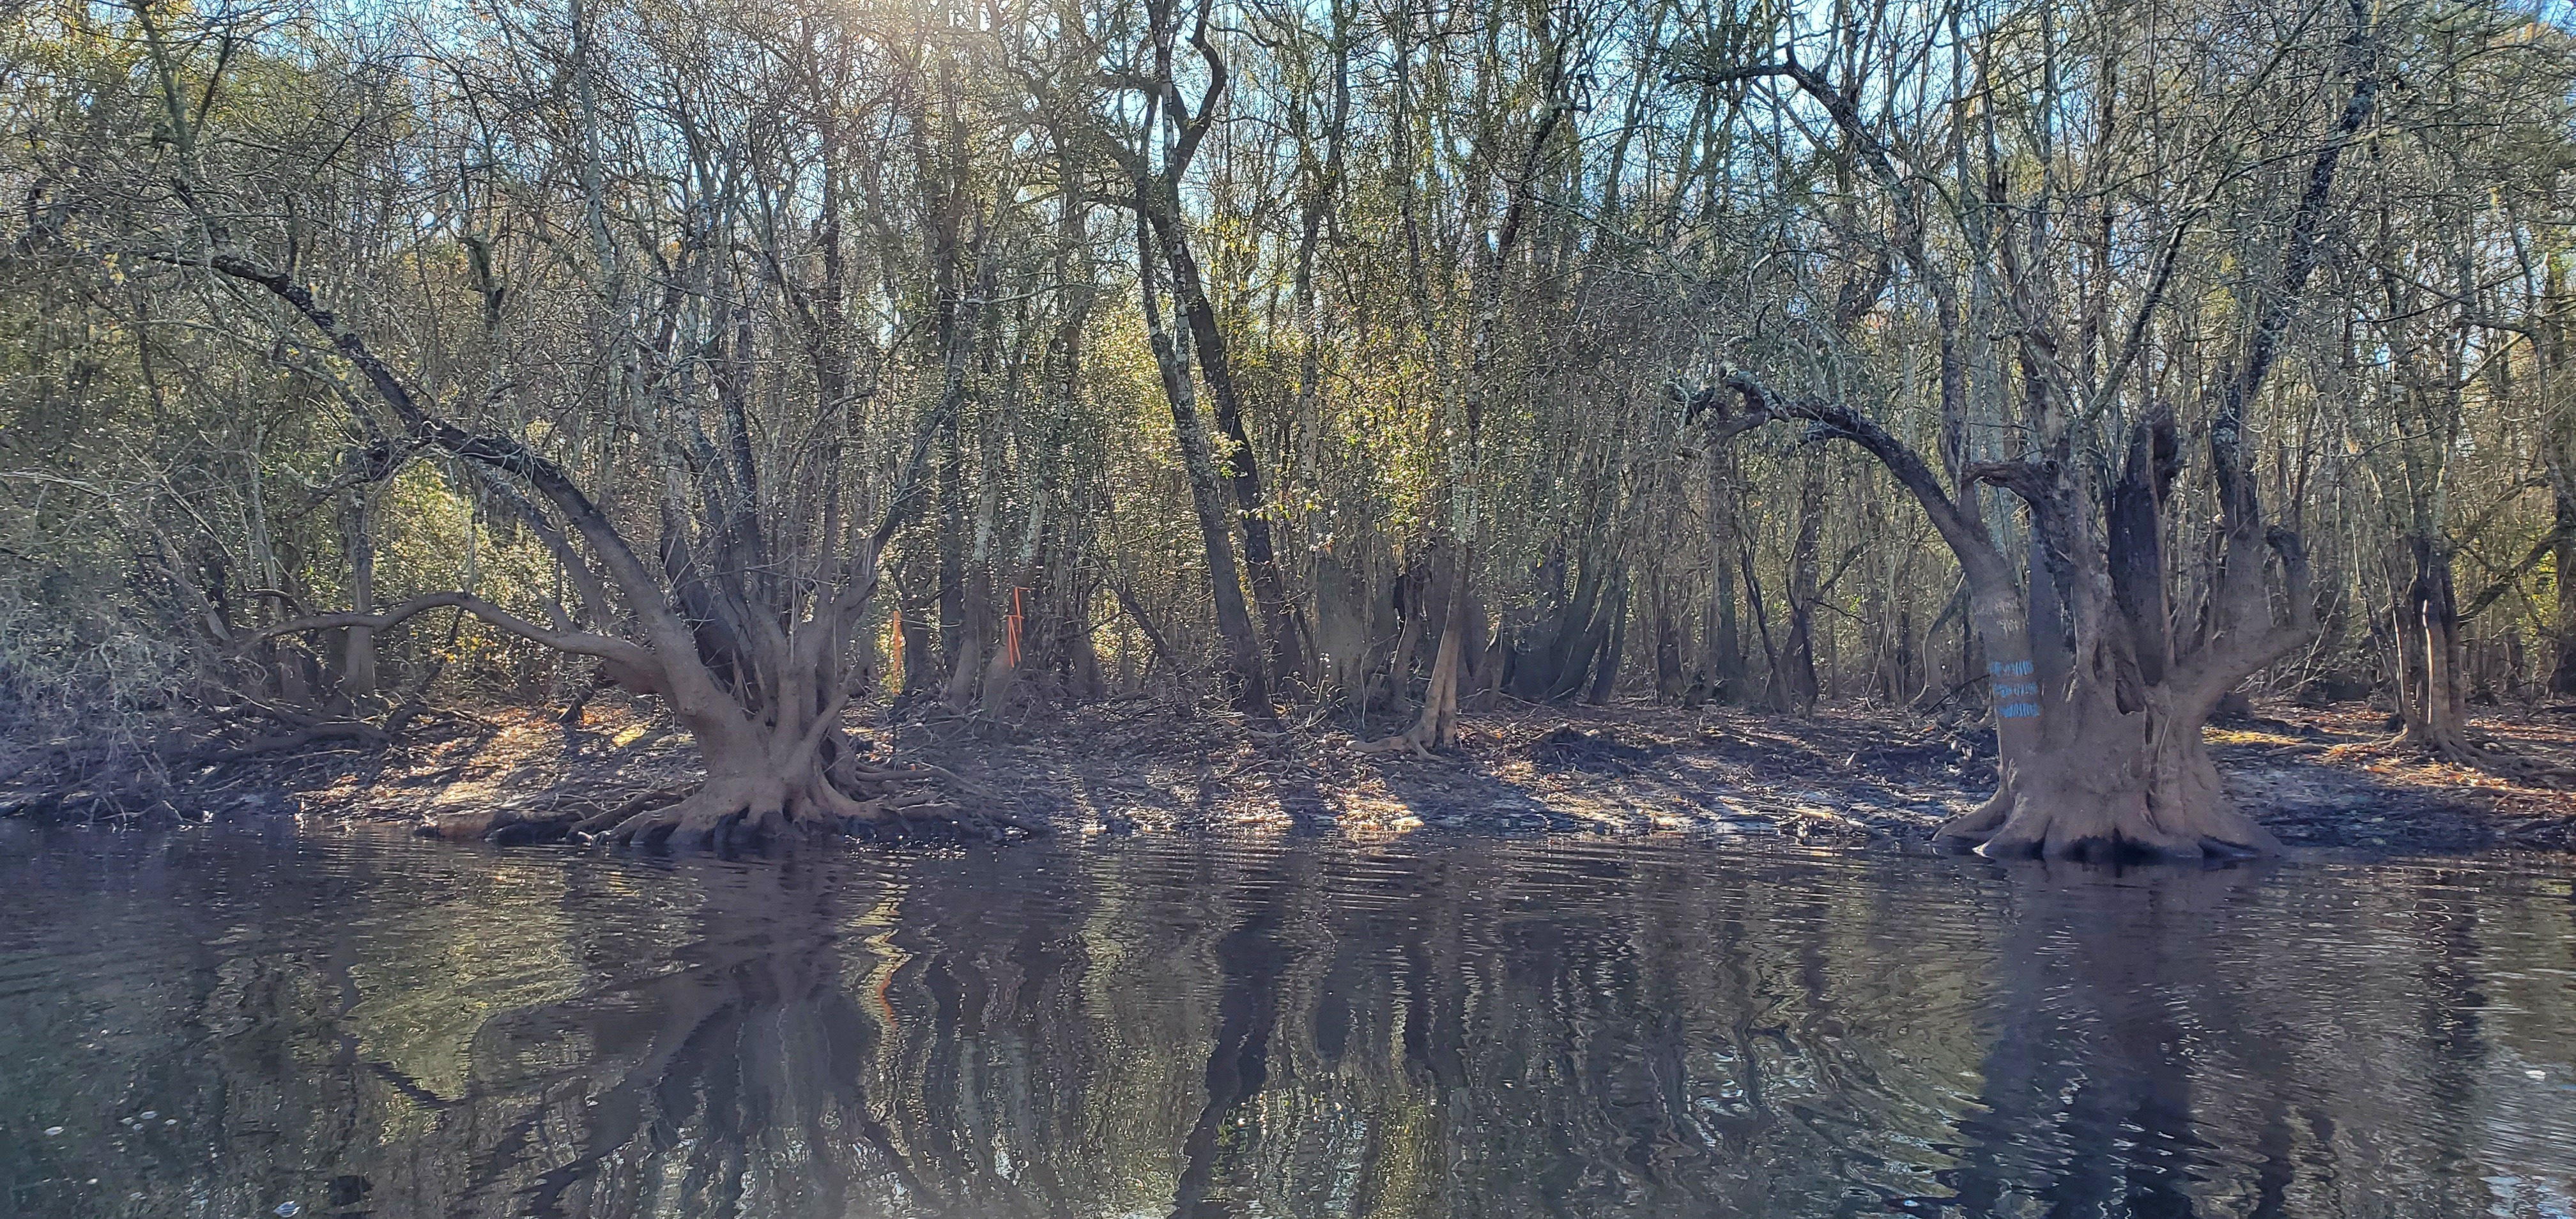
<point x="2109" y="817"/>
<point x="2458" y="750"/>
<point x="641" y="802"/>
<point x="1972" y="829"/>
<point x="2093" y="835"/>
<point x="708" y="816"/>
<point x="1412" y="740"/>
<point x="2555" y="832"/>
<point x="28" y="761"/>
<point x="737" y="810"/>
<point x="352" y="730"/>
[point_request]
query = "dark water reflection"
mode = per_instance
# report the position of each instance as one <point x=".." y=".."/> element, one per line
<point x="223" y="1025"/>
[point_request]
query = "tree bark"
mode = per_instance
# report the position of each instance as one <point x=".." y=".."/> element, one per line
<point x="1722" y="653"/>
<point x="1799" y="653"/>
<point x="1605" y="670"/>
<point x="1245" y="671"/>
<point x="2562" y="676"/>
<point x="771" y="738"/>
<point x="358" y="681"/>
<point x="2081" y="774"/>
<point x="1242" y="470"/>
<point x="2432" y="705"/>
<point x="1436" y="726"/>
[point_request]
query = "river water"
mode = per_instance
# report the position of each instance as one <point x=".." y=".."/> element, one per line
<point x="230" y="1024"/>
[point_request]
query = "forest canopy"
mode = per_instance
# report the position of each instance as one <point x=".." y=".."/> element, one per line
<point x="2071" y="364"/>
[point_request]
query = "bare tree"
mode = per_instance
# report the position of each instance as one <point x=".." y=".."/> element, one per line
<point x="2098" y="698"/>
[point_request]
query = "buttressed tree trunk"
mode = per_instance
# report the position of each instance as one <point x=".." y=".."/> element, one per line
<point x="2105" y="759"/>
<point x="765" y="708"/>
<point x="2105" y="765"/>
<point x="2430" y="701"/>
<point x="2427" y="625"/>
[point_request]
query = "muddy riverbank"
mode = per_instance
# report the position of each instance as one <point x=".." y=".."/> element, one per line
<point x="2317" y="777"/>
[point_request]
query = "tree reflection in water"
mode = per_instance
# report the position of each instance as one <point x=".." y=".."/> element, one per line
<point x="1198" y="1029"/>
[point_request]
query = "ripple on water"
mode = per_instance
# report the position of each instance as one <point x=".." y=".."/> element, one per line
<point x="1151" y="1025"/>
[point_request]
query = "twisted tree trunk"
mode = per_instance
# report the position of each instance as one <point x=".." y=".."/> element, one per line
<point x="763" y="703"/>
<point x="2096" y="765"/>
<point x="2100" y="756"/>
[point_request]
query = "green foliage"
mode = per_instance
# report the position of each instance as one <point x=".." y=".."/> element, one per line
<point x="588" y="239"/>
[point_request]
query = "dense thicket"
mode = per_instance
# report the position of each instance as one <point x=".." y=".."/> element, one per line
<point x="769" y="355"/>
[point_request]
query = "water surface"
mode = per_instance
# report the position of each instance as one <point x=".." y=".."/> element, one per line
<point x="226" y="1024"/>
